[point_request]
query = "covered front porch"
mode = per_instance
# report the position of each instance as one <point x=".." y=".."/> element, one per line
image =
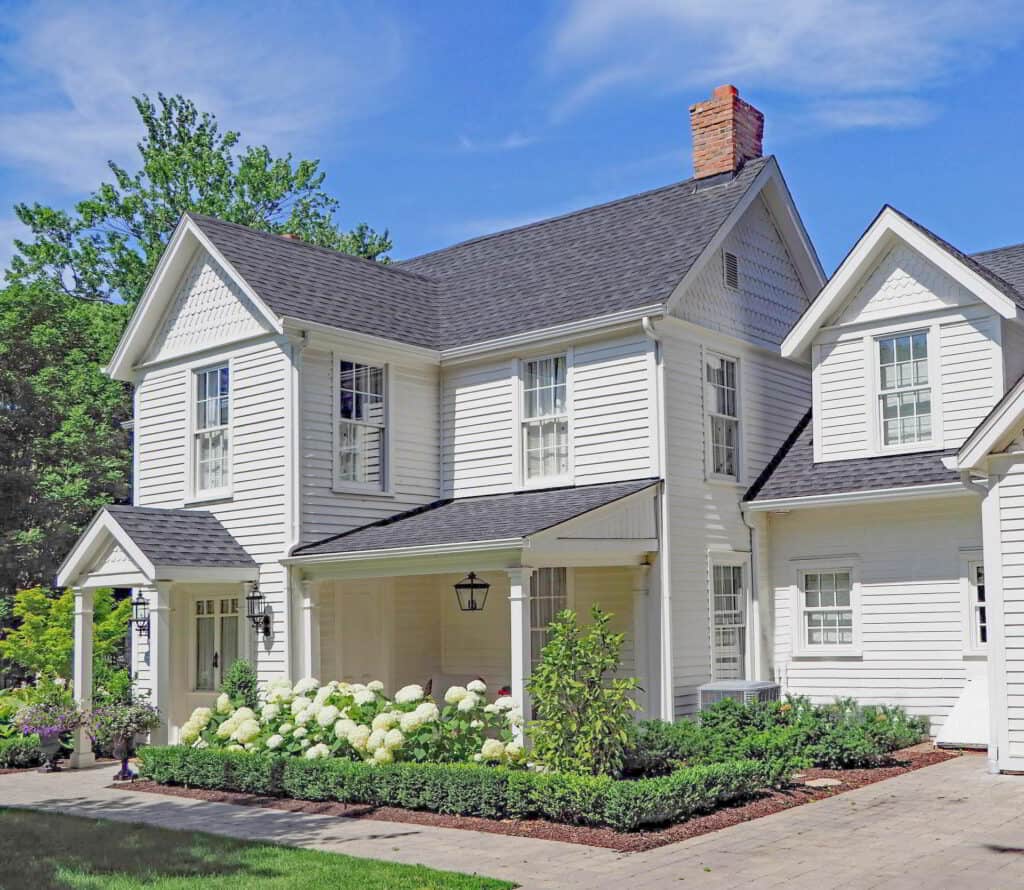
<point x="380" y="603"/>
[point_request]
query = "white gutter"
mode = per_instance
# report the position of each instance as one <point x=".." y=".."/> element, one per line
<point x="874" y="495"/>
<point x="666" y="706"/>
<point x="398" y="552"/>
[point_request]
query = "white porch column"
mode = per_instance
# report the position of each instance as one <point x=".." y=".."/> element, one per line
<point x="159" y="596"/>
<point x="519" y="606"/>
<point x="309" y="630"/>
<point x="642" y="654"/>
<point x="82" y="679"/>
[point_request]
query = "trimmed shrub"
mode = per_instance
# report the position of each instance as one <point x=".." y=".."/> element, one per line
<point x="241" y="685"/>
<point x="19" y="752"/>
<point x="464" y="789"/>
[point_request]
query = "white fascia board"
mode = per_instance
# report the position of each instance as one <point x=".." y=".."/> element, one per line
<point x="328" y="336"/>
<point x="422" y="550"/>
<point x="1002" y="422"/>
<point x="539" y="336"/>
<point x="100" y="531"/>
<point x="153" y="304"/>
<point x="784" y="212"/>
<point x="871" y="496"/>
<point x="888" y="224"/>
<point x="210" y="574"/>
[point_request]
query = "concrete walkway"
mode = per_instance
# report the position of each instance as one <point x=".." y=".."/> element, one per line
<point x="946" y="826"/>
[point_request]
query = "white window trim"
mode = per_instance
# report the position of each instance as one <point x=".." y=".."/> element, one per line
<point x="872" y="356"/>
<point x="742" y="559"/>
<point x="346" y="486"/>
<point x="519" y="418"/>
<point x="244" y="637"/>
<point x="811" y="565"/>
<point x="194" y="494"/>
<point x="969" y="558"/>
<point x="709" y="460"/>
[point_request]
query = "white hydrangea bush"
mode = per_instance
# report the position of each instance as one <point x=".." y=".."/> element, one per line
<point x="357" y="721"/>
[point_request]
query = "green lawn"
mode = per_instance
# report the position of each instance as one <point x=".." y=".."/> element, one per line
<point x="44" y="850"/>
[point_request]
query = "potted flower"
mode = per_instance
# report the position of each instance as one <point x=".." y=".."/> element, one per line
<point x="52" y="721"/>
<point x="116" y="726"/>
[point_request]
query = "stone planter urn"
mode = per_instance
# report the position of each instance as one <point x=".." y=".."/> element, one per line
<point x="122" y="749"/>
<point x="50" y="744"/>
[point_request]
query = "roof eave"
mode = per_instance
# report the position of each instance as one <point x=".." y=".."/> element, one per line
<point x="845" y="498"/>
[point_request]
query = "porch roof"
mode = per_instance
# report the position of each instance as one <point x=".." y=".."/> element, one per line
<point x="505" y="517"/>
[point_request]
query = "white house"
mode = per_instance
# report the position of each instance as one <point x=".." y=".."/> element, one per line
<point x="636" y="404"/>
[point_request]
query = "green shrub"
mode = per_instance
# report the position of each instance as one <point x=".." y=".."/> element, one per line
<point x="464" y="788"/>
<point x="583" y="713"/>
<point x="18" y="752"/>
<point x="241" y="685"/>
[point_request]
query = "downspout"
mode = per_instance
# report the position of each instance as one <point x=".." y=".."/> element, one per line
<point x="665" y="652"/>
<point x="971" y="485"/>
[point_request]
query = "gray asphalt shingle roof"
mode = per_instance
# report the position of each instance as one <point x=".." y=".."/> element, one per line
<point x="792" y="473"/>
<point x="1006" y="262"/>
<point x="180" y="537"/>
<point x="621" y="255"/>
<point x="483" y="518"/>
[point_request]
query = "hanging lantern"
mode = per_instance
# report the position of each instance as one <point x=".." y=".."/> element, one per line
<point x="472" y="593"/>
<point x="256" y="610"/>
<point x="140" y="614"/>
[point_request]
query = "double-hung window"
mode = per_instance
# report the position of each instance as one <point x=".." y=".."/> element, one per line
<point x="722" y="405"/>
<point x="978" y="605"/>
<point x="729" y="622"/>
<point x="218" y="639"/>
<point x="211" y="432"/>
<point x="360" y="426"/>
<point x="549" y="596"/>
<point x="826" y="609"/>
<point x="905" y="396"/>
<point x="545" y="433"/>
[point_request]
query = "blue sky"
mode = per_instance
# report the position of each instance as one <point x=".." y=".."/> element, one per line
<point x="443" y="121"/>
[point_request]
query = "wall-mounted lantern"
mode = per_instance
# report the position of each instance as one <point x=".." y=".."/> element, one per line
<point x="140" y="614"/>
<point x="257" y="611"/>
<point x="472" y="593"/>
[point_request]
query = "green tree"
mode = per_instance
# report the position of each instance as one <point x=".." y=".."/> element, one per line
<point x="108" y="246"/>
<point x="71" y="289"/>
<point x="43" y="641"/>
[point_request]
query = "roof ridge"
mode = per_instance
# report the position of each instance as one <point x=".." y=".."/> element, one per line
<point x="709" y="182"/>
<point x="298" y="242"/>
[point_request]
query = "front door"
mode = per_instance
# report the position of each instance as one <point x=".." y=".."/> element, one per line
<point x="217" y="639"/>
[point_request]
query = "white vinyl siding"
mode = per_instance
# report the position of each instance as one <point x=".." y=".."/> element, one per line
<point x="971" y="373"/>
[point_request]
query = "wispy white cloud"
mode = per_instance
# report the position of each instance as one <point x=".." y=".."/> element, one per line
<point x="857" y="53"/>
<point x="281" y="75"/>
<point x="509" y="142"/>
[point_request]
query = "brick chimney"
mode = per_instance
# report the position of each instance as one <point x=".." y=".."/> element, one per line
<point x="726" y="132"/>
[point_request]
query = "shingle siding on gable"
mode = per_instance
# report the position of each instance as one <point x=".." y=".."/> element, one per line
<point x="209" y="309"/>
<point x="770" y="297"/>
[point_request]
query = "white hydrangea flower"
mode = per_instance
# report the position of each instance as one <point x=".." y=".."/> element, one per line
<point x="189" y="733"/>
<point x="269" y="712"/>
<point x="223" y="703"/>
<point x="492" y="750"/>
<point x="515" y="717"/>
<point x="476" y="724"/>
<point x="202" y="743"/>
<point x="514" y="750"/>
<point x="300" y="732"/>
<point x="307" y="684"/>
<point x="394" y="739"/>
<point x="468" y="702"/>
<point x="505" y="703"/>
<point x="227" y="728"/>
<point x="278" y="691"/>
<point x="328" y="714"/>
<point x="428" y="712"/>
<point x="305" y="743"/>
<point x="375" y="686"/>
<point x="304" y="716"/>
<point x="300" y="704"/>
<point x="201" y="717"/>
<point x="365" y="697"/>
<point x="275" y="742"/>
<point x="285" y="728"/>
<point x="358" y="737"/>
<point x="408" y="694"/>
<point x="375" y="740"/>
<point x="455" y="694"/>
<point x="478" y="758"/>
<point x="383" y="755"/>
<point x="490" y="709"/>
<point x="411" y="721"/>
<point x="357" y="687"/>
<point x="385" y="720"/>
<point x="317" y="751"/>
<point x="322" y="694"/>
<point x="235" y="748"/>
<point x="477" y="686"/>
<point x="343" y="727"/>
<point x="247" y="731"/>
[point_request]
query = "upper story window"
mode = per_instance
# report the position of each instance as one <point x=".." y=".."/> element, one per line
<point x="545" y="433"/>
<point x="211" y="433"/>
<point x="722" y="405"/>
<point x="905" y="396"/>
<point x="360" y="426"/>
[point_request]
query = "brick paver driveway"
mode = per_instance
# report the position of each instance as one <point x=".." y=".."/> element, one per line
<point x="950" y="825"/>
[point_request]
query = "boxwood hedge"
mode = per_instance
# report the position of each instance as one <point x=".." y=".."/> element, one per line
<point x="465" y="789"/>
<point x="18" y="752"/>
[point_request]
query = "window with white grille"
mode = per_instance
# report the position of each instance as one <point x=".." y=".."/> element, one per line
<point x="211" y="433"/>
<point x="979" y="605"/>
<point x="218" y="637"/>
<point x="827" y="609"/>
<point x="545" y="432"/>
<point x="729" y="622"/>
<point x="905" y="396"/>
<point x="360" y="426"/>
<point x="722" y="406"/>
<point x="549" y="595"/>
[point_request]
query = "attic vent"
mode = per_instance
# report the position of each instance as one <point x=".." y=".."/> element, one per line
<point x="731" y="270"/>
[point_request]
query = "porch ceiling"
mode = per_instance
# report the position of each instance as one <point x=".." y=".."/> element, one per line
<point x="506" y="521"/>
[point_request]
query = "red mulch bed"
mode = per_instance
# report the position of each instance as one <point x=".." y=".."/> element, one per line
<point x="764" y="805"/>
